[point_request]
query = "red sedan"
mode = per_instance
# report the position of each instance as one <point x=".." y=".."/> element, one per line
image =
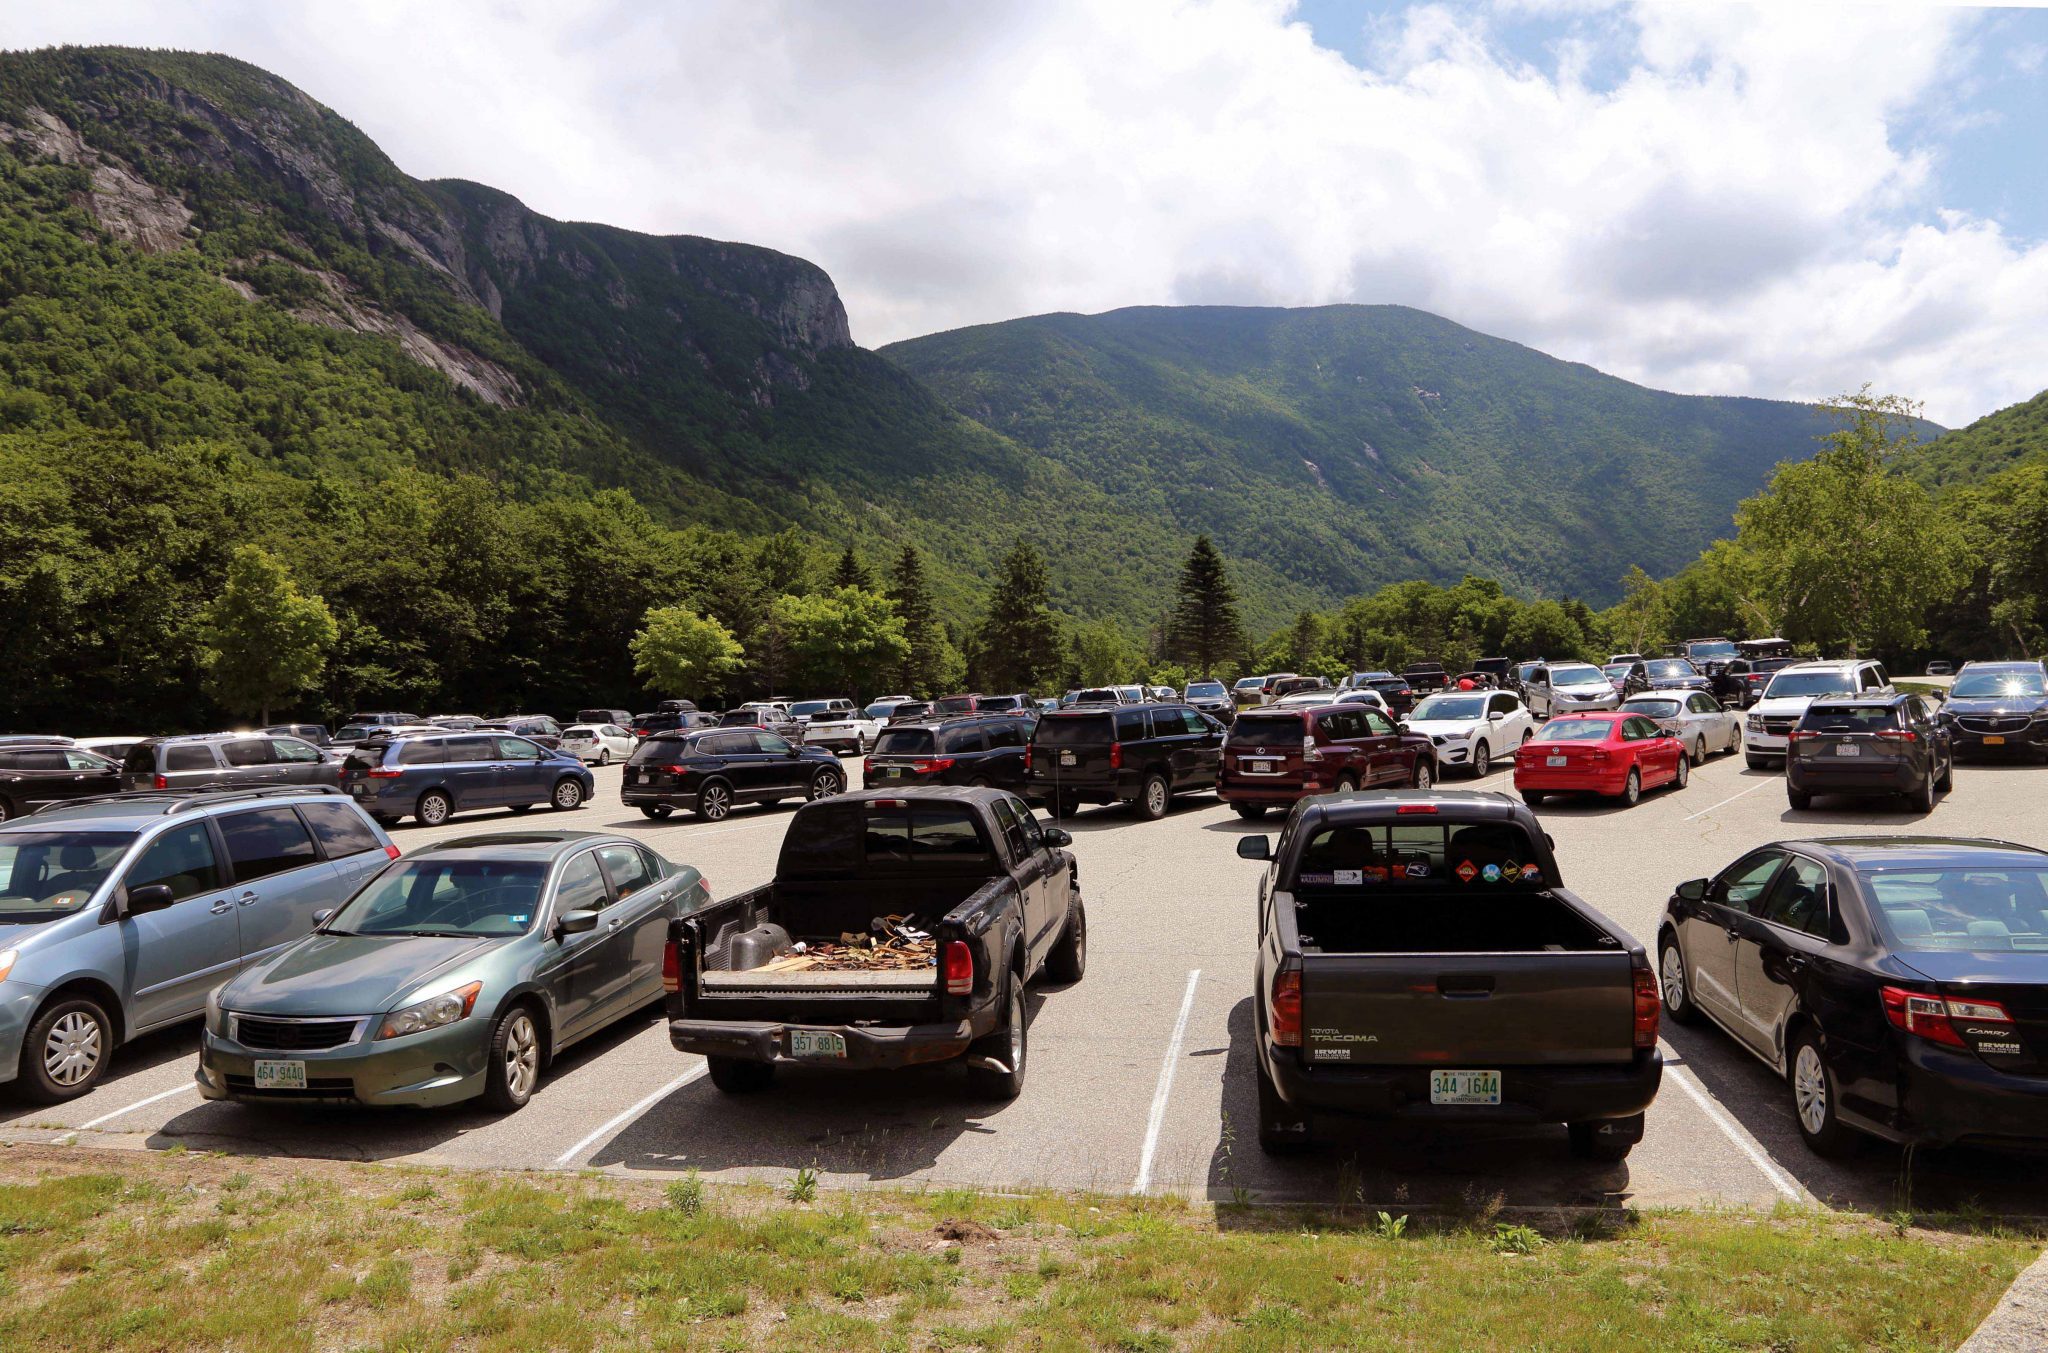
<point x="1618" y="755"/>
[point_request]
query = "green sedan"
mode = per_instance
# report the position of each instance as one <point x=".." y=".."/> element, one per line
<point x="457" y="971"/>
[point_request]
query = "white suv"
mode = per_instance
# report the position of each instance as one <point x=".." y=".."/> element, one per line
<point x="1791" y="690"/>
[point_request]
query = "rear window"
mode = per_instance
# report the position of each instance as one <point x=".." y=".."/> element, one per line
<point x="1847" y="719"/>
<point x="1979" y="911"/>
<point x="1475" y="855"/>
<point x="1266" y="728"/>
<point x="1574" y="730"/>
<point x="904" y="742"/>
<point x="901" y="832"/>
<point x="339" y="828"/>
<point x="806" y="709"/>
<point x="1664" y="669"/>
<point x="1074" y="730"/>
<point x="659" y="749"/>
<point x="954" y="704"/>
<point x="579" y="731"/>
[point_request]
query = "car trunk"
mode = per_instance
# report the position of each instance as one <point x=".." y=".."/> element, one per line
<point x="2016" y="979"/>
<point x="1862" y="740"/>
<point x="1267" y="749"/>
<point x="906" y="756"/>
<point x="1082" y="746"/>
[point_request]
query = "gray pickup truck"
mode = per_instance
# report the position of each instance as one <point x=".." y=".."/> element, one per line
<point x="902" y="927"/>
<point x="1420" y="960"/>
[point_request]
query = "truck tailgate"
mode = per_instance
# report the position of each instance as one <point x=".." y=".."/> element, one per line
<point x="1467" y="1010"/>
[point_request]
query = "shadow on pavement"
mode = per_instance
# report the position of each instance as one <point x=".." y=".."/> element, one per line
<point x="177" y="1043"/>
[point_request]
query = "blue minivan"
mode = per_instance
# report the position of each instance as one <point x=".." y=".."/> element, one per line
<point x="433" y="776"/>
<point x="119" y="914"/>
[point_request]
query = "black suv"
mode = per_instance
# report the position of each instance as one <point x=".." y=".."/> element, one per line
<point x="32" y="775"/>
<point x="225" y="761"/>
<point x="710" y="771"/>
<point x="1998" y="707"/>
<point x="1869" y="745"/>
<point x="1137" y="754"/>
<point x="979" y="749"/>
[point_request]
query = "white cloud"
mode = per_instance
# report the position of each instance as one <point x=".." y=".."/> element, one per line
<point x="1735" y="210"/>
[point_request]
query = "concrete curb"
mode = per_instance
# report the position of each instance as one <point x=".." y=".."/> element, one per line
<point x="2019" y="1322"/>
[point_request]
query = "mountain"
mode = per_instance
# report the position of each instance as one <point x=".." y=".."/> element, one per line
<point x="1349" y="446"/>
<point x="2012" y="436"/>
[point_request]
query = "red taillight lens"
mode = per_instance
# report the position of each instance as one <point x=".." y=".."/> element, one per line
<point x="672" y="966"/>
<point x="677" y="770"/>
<point x="867" y="767"/>
<point x="1116" y="756"/>
<point x="1597" y="754"/>
<point x="1899" y="734"/>
<point x="162" y="782"/>
<point x="1933" y="1017"/>
<point x="391" y="852"/>
<point x="959" y="963"/>
<point x="383" y="773"/>
<point x="1027" y="756"/>
<point x="1648" y="1008"/>
<point x="1415" y="808"/>
<point x="1283" y="1012"/>
<point x="933" y="765"/>
<point x="1800" y="735"/>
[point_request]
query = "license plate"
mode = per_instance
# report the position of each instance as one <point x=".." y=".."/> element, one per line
<point x="1464" y="1087"/>
<point x="358" y="789"/>
<point x="1553" y="761"/>
<point x="1994" y="740"/>
<point x="1253" y="767"/>
<point x="889" y="773"/>
<point x="1066" y="758"/>
<point x="811" y="1043"/>
<point x="1847" y="749"/>
<point x="280" y="1075"/>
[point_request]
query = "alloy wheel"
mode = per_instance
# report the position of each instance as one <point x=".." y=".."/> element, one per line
<point x="824" y="785"/>
<point x="1810" y="1089"/>
<point x="1155" y="798"/>
<point x="73" y="1050"/>
<point x="1673" y="972"/>
<point x="568" y="794"/>
<point x="1482" y="760"/>
<point x="522" y="1056"/>
<point x="714" y="803"/>
<point x="434" y="810"/>
<point x="1423" y="778"/>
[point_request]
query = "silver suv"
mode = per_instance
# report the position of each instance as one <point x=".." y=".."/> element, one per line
<point x="119" y="914"/>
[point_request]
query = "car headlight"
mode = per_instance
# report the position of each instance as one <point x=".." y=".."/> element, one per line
<point x="432" y="1014"/>
<point x="1754" y="723"/>
<point x="7" y="957"/>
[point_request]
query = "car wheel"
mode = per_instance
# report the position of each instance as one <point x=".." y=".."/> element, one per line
<point x="1533" y="797"/>
<point x="434" y="808"/>
<point x="604" y="757"/>
<point x="978" y="782"/>
<point x="1008" y="1044"/>
<point x="1482" y="760"/>
<point x="518" y="808"/>
<point x="1816" y="1100"/>
<point x="1588" y="1142"/>
<point x="1675" y="983"/>
<point x="1346" y="783"/>
<point x="656" y="811"/>
<point x="568" y="795"/>
<point x="1922" y="799"/>
<point x="825" y="784"/>
<point x="1632" y="787"/>
<point x="1425" y="775"/>
<point x="513" y="1070"/>
<point x="1282" y="1131"/>
<point x="734" y="1076"/>
<point x="1948" y="775"/>
<point x="1683" y="775"/>
<point x="65" y="1051"/>
<point x="1155" y="798"/>
<point x="1799" y="800"/>
<point x="1697" y="753"/>
<point x="6" y="810"/>
<point x="1250" y="812"/>
<point x="714" y="801"/>
<point x="1068" y="960"/>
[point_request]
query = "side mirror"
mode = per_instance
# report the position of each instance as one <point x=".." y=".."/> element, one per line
<point x="576" y="922"/>
<point x="1693" y="890"/>
<point x="794" y="752"/>
<point x="1493" y="716"/>
<point x="1255" y="847"/>
<point x="1058" y="836"/>
<point x="150" y="897"/>
<point x="322" y="916"/>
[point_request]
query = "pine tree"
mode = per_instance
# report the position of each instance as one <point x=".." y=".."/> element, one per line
<point x="1204" y="628"/>
<point x="1020" y="646"/>
<point x="852" y="572"/>
<point x="926" y="666"/>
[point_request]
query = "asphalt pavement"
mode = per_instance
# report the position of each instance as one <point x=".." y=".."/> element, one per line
<point x="1141" y="1075"/>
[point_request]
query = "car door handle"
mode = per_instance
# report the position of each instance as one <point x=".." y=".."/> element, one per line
<point x="1733" y="934"/>
<point x="222" y="907"/>
<point x="248" y="899"/>
<point x="615" y="923"/>
<point x="1795" y="963"/>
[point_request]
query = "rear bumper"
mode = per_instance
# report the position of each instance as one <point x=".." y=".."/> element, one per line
<point x="1546" y="780"/>
<point x="635" y="796"/>
<point x="1820" y="775"/>
<point x="1948" y="1097"/>
<point x="1088" y="789"/>
<point x="867" y="1047"/>
<point x="1272" y="789"/>
<point x="1529" y="1094"/>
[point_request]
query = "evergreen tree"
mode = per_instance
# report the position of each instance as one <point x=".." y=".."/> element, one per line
<point x="263" y="639"/>
<point x="852" y="572"/>
<point x="1019" y="647"/>
<point x="1204" y="628"/>
<point x="930" y="661"/>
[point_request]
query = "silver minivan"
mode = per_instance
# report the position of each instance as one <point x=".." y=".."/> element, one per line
<point x="118" y="915"/>
<point x="226" y="761"/>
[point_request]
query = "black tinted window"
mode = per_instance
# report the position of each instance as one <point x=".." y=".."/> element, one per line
<point x="265" y="842"/>
<point x="1130" y="725"/>
<point x="904" y="742"/>
<point x="340" y="829"/>
<point x="1848" y="719"/>
<point x="1267" y="729"/>
<point x="424" y="752"/>
<point x="921" y="831"/>
<point x="1799" y="899"/>
<point x="247" y="752"/>
<point x="183" y="858"/>
<point x="1006" y="733"/>
<point x="189" y="756"/>
<point x="1075" y="730"/>
<point x="37" y="758"/>
<point x="139" y="760"/>
<point x="660" y="750"/>
<point x="966" y="740"/>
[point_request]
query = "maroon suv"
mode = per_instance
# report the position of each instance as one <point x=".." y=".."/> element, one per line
<point x="1276" y="756"/>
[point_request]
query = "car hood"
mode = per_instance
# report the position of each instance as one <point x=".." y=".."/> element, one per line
<point x="348" y="974"/>
<point x="1998" y="966"/>
<point x="1783" y="704"/>
<point x="1454" y="728"/>
<point x="2000" y="704"/>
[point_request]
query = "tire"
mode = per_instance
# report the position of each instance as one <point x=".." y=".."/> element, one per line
<point x="1250" y="812"/>
<point x="604" y="756"/>
<point x="1010" y="1042"/>
<point x="1684" y="775"/>
<point x="1068" y="961"/>
<point x="518" y="809"/>
<point x="1282" y="1131"/>
<point x="1799" y="800"/>
<point x="568" y="795"/>
<point x="1674" y="983"/>
<point x="825" y="784"/>
<point x="1815" y="1099"/>
<point x="513" y="1070"/>
<point x="1425" y="775"/>
<point x="1347" y="783"/>
<point x="1589" y="1143"/>
<point x="434" y="808"/>
<point x="1063" y="805"/>
<point x="1532" y="797"/>
<point x="66" y="1050"/>
<point x="1482" y="760"/>
<point x="734" y="1076"/>
<point x="714" y="801"/>
<point x="1922" y="799"/>
<point x="656" y="811"/>
<point x="1154" y="798"/>
<point x="1697" y="753"/>
<point x="978" y="782"/>
<point x="1755" y="762"/>
<point x="1632" y="787"/>
<point x="6" y="810"/>
<point x="1948" y="775"/>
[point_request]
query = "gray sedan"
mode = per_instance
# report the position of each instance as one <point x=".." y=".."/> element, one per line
<point x="1694" y="717"/>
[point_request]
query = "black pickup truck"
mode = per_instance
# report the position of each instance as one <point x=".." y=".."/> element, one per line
<point x="1420" y="960"/>
<point x="902" y="927"/>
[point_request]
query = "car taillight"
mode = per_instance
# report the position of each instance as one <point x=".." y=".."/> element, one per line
<point x="384" y="773"/>
<point x="1800" y="735"/>
<point x="162" y="782"/>
<point x="677" y="770"/>
<point x="1027" y="756"/>
<point x="1933" y="1017"/>
<point x="1597" y="754"/>
<point x="1648" y="1008"/>
<point x="672" y="966"/>
<point x="959" y="968"/>
<point x="1308" y="749"/>
<point x="1116" y="756"/>
<point x="1898" y="734"/>
<point x="1283" y="1012"/>
<point x="391" y="852"/>
<point x="932" y="765"/>
<point x="1407" y="808"/>
<point x="867" y="767"/>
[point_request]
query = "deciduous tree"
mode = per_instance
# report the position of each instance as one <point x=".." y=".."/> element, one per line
<point x="679" y="652"/>
<point x="263" y="639"/>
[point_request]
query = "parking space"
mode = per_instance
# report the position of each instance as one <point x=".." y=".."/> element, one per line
<point x="1140" y="1075"/>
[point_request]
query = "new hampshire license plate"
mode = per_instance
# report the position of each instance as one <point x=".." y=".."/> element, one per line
<point x="1464" y="1087"/>
<point x="815" y="1043"/>
<point x="280" y="1075"/>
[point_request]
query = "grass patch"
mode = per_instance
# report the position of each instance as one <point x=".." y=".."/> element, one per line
<point x="119" y="1251"/>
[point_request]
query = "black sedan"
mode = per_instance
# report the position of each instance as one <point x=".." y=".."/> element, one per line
<point x="1899" y="984"/>
<point x="708" y="772"/>
<point x="1998" y="707"/>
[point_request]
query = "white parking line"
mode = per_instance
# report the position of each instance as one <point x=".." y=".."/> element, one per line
<point x="1164" y="1090"/>
<point x="619" y="1120"/>
<point x="1730" y="799"/>
<point x="138" y="1104"/>
<point x="1734" y="1132"/>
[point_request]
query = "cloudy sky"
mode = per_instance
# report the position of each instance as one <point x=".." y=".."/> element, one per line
<point x="1785" y="200"/>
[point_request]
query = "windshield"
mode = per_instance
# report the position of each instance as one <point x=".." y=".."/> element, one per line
<point x="1978" y="911"/>
<point x="660" y="749"/>
<point x="1200" y="689"/>
<point x="904" y="742"/>
<point x="1616" y="670"/>
<point x="445" y="897"/>
<point x="1665" y="668"/>
<point x="1656" y="709"/>
<point x="1574" y="730"/>
<point x="1073" y="730"/>
<point x="1810" y="683"/>
<point x="1577" y="676"/>
<point x="354" y="732"/>
<point x="1995" y="685"/>
<point x="1449" y="707"/>
<point x="805" y="709"/>
<point x="1719" y="648"/>
<point x="1250" y="683"/>
<point x="49" y="874"/>
<point x="1266" y="728"/>
<point x="880" y="709"/>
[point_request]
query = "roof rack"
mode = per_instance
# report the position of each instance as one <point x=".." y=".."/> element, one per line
<point x="183" y="800"/>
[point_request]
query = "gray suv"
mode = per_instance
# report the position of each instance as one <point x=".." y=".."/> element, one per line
<point x="118" y="915"/>
<point x="226" y="761"/>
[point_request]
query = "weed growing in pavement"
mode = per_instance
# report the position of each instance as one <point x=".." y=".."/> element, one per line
<point x="804" y="1187"/>
<point x="1350" y="1185"/>
<point x="1226" y="1155"/>
<point x="686" y="1195"/>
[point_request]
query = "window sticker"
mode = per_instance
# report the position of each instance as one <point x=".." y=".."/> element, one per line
<point x="1467" y="871"/>
<point x="1350" y="877"/>
<point x="1491" y="873"/>
<point x="1532" y="873"/>
<point x="1417" y="870"/>
<point x="1317" y="878"/>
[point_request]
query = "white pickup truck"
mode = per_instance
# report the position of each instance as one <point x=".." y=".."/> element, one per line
<point x="837" y="724"/>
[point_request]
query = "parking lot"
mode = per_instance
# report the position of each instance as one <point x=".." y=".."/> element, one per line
<point x="1141" y="1076"/>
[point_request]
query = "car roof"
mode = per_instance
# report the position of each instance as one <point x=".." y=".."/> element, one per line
<point x="1874" y="699"/>
<point x="136" y="811"/>
<point x="1826" y="664"/>
<point x="1873" y="853"/>
<point x="534" y="845"/>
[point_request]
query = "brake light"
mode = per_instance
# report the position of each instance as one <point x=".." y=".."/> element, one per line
<point x="934" y="764"/>
<point x="1648" y="1008"/>
<point x="1027" y="756"/>
<point x="1116" y="756"/>
<point x="677" y="770"/>
<point x="1933" y="1017"/>
<point x="1597" y="754"/>
<point x="383" y="773"/>
<point x="1308" y="749"/>
<point x="391" y="852"/>
<point x="1283" y="1012"/>
<point x="959" y="968"/>
<point x="867" y="767"/>
<point x="672" y="966"/>
<point x="1415" y="808"/>
<point x="1800" y="735"/>
<point x="1898" y="734"/>
<point x="162" y="782"/>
